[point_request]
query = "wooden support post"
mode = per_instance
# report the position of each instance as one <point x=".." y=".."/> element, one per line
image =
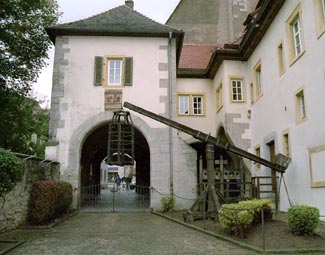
<point x="222" y="176"/>
<point x="211" y="175"/>
<point x="242" y="179"/>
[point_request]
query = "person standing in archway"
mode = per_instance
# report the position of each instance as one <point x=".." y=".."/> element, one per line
<point x="117" y="181"/>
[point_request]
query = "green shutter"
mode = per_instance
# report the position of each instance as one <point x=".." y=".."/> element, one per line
<point x="98" y="74"/>
<point x="128" y="71"/>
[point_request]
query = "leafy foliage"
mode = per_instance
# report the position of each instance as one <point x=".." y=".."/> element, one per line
<point x="258" y="205"/>
<point x="22" y="118"/>
<point x="10" y="171"/>
<point x="236" y="219"/>
<point x="23" y="40"/>
<point x="167" y="203"/>
<point x="303" y="219"/>
<point x="48" y="200"/>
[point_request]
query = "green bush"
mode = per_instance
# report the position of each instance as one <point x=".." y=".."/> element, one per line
<point x="257" y="205"/>
<point x="167" y="203"/>
<point x="303" y="219"/>
<point x="10" y="171"/>
<point x="237" y="219"/>
<point x="48" y="200"/>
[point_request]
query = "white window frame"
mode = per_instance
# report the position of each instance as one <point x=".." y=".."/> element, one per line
<point x="114" y="74"/>
<point x="297" y="36"/>
<point x="237" y="90"/>
<point x="197" y="105"/>
<point x="191" y="104"/>
<point x="323" y="5"/>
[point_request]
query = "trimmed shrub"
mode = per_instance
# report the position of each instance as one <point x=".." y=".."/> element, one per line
<point x="257" y="205"/>
<point x="48" y="200"/>
<point x="237" y="219"/>
<point x="167" y="203"/>
<point x="303" y="219"/>
<point x="64" y="198"/>
<point x="43" y="196"/>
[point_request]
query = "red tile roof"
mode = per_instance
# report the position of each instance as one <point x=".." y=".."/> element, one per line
<point x="196" y="56"/>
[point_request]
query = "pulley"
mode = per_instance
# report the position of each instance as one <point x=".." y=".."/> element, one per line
<point x="120" y="149"/>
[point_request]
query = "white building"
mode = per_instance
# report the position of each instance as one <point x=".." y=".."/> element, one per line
<point x="262" y="92"/>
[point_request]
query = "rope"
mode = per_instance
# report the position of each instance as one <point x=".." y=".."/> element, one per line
<point x="286" y="189"/>
<point x="167" y="194"/>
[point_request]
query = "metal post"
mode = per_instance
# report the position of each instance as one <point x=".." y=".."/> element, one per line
<point x="263" y="229"/>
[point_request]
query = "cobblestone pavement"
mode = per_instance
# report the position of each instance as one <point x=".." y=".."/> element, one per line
<point x="120" y="234"/>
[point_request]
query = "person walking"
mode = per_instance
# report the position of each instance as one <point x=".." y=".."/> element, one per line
<point x="117" y="181"/>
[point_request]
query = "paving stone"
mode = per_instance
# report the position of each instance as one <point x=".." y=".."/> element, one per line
<point x="119" y="234"/>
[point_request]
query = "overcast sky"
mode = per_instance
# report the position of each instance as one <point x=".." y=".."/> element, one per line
<point x="72" y="10"/>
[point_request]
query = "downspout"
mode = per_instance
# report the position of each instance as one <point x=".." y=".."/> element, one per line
<point x="170" y="114"/>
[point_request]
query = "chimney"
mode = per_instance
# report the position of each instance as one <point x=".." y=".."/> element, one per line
<point x="129" y="3"/>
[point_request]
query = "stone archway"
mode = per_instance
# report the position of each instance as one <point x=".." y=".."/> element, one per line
<point x="93" y="129"/>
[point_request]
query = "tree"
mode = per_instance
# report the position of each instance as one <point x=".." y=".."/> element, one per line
<point x="24" y="43"/>
<point x="21" y="119"/>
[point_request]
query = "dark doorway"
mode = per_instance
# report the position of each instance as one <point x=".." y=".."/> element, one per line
<point x="94" y="150"/>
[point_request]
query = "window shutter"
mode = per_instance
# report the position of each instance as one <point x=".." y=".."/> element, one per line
<point x="98" y="74"/>
<point x="128" y="71"/>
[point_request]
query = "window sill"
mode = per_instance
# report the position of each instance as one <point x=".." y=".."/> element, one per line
<point x="190" y="115"/>
<point x="257" y="98"/>
<point x="321" y="32"/>
<point x="300" y="121"/>
<point x="297" y="58"/>
<point x="219" y="108"/>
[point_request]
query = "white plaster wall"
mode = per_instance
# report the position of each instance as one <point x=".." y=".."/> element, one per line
<point x="82" y="108"/>
<point x="275" y="111"/>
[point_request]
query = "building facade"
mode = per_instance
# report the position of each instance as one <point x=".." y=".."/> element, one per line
<point x="258" y="86"/>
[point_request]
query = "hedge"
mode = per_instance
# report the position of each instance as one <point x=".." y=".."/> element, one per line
<point x="48" y="200"/>
<point x="303" y="219"/>
<point x="237" y="219"/>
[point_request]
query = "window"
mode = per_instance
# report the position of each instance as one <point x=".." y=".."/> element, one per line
<point x="237" y="90"/>
<point x="258" y="153"/>
<point x="184" y="105"/>
<point x="300" y="106"/>
<point x="197" y="105"/>
<point x="295" y="34"/>
<point x="219" y="97"/>
<point x="191" y="105"/>
<point x="286" y="146"/>
<point x="297" y="38"/>
<point x="113" y="71"/>
<point x="319" y="8"/>
<point x="257" y="84"/>
<point x="281" y="59"/>
<point x="252" y="93"/>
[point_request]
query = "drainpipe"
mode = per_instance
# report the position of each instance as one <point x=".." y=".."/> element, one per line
<point x="170" y="115"/>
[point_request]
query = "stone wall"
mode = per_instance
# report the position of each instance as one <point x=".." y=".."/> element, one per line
<point x="14" y="210"/>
